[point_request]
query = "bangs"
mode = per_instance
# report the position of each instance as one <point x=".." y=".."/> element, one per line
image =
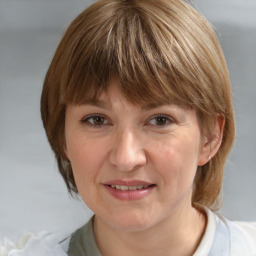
<point x="131" y="49"/>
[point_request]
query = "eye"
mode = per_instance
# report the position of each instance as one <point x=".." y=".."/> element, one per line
<point x="95" y="120"/>
<point x="160" y="120"/>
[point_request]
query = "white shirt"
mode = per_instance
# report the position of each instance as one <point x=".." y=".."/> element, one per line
<point x="222" y="238"/>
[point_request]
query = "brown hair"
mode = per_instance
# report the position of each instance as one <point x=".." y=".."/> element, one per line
<point x="159" y="51"/>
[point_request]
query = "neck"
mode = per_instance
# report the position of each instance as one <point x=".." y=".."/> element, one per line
<point x="179" y="234"/>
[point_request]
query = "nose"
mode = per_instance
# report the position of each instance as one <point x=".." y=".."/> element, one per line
<point x="127" y="152"/>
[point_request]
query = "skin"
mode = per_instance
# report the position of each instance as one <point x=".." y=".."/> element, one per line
<point x="114" y="139"/>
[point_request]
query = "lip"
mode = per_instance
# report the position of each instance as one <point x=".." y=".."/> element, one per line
<point x="127" y="182"/>
<point x="129" y="195"/>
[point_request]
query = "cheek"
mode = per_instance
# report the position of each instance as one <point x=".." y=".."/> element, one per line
<point x="86" y="160"/>
<point x="176" y="159"/>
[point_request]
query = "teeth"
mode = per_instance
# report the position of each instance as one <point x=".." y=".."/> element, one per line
<point x="125" y="188"/>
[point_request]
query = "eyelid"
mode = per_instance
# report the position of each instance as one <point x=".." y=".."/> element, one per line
<point x="85" y="119"/>
<point x="169" y="119"/>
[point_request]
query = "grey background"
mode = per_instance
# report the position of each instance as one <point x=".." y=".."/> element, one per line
<point x="33" y="196"/>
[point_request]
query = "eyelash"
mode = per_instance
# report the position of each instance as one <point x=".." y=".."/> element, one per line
<point x="167" y="119"/>
<point x="86" y="120"/>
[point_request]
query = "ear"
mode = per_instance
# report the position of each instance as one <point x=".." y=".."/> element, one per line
<point x="211" y="144"/>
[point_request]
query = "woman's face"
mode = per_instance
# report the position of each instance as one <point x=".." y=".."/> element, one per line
<point x="134" y="166"/>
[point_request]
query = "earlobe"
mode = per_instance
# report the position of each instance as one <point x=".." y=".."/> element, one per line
<point x="211" y="144"/>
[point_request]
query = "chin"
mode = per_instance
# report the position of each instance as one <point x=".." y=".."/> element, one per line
<point x="130" y="222"/>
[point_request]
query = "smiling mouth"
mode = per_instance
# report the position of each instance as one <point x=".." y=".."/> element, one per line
<point x="131" y="188"/>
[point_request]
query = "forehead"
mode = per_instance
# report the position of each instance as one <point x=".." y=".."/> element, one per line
<point x="145" y="95"/>
<point x="108" y="99"/>
<point x="115" y="97"/>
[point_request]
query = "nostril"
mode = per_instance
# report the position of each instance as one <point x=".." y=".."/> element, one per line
<point x="128" y="163"/>
<point x="127" y="153"/>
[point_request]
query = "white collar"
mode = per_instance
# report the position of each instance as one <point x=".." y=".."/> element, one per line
<point x="207" y="240"/>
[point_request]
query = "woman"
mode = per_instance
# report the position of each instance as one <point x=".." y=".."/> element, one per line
<point x="137" y="108"/>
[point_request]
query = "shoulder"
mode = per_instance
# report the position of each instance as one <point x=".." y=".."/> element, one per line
<point x="83" y="242"/>
<point x="41" y="244"/>
<point x="249" y="228"/>
<point x="241" y="236"/>
<point x="244" y="233"/>
<point x="224" y="237"/>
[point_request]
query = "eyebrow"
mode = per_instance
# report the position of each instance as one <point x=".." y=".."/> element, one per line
<point x="98" y="103"/>
<point x="151" y="106"/>
<point x="107" y="106"/>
